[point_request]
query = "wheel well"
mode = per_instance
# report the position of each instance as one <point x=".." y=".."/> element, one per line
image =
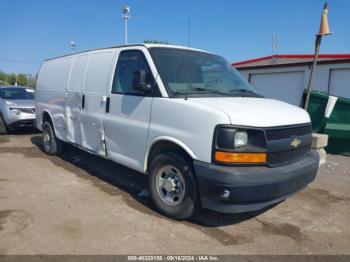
<point x="166" y="146"/>
<point x="47" y="117"/>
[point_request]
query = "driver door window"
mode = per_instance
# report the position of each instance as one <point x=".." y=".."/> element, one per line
<point x="128" y="63"/>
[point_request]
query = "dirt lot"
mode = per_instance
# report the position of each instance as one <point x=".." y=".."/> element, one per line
<point x="83" y="204"/>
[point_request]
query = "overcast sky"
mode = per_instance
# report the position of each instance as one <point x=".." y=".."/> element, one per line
<point x="33" y="30"/>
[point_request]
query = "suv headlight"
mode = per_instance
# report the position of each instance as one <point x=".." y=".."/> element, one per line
<point x="239" y="145"/>
<point x="15" y="111"/>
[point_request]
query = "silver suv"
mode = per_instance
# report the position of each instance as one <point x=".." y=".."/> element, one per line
<point x="17" y="108"/>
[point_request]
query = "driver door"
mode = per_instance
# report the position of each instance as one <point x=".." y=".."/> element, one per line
<point x="128" y="112"/>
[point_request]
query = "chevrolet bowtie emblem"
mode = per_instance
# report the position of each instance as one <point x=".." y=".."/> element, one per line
<point x="295" y="143"/>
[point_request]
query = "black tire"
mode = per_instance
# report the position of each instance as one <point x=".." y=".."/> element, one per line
<point x="188" y="203"/>
<point x="3" y="127"/>
<point x="51" y="144"/>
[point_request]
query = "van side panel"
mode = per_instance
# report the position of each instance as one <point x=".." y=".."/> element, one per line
<point x="75" y="100"/>
<point x="50" y="94"/>
<point x="95" y="85"/>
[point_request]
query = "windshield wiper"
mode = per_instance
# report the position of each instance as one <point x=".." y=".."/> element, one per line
<point x="196" y="88"/>
<point x="242" y="90"/>
<point x="208" y="90"/>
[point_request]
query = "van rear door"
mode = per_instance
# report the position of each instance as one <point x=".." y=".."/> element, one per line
<point x="93" y="102"/>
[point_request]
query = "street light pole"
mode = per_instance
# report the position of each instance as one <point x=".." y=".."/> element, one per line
<point x="73" y="46"/>
<point x="126" y="16"/>
<point x="126" y="31"/>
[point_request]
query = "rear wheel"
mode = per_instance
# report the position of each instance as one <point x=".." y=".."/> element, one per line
<point x="172" y="185"/>
<point x="3" y="127"/>
<point x="52" y="145"/>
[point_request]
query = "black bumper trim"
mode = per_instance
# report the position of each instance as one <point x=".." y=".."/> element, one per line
<point x="27" y="123"/>
<point x="241" y="189"/>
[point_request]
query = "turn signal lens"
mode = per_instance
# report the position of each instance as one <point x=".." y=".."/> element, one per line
<point x="227" y="157"/>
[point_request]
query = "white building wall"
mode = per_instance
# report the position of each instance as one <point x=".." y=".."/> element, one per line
<point x="323" y="80"/>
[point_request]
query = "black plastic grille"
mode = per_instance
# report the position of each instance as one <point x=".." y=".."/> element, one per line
<point x="287" y="132"/>
<point x="282" y="157"/>
<point x="27" y="110"/>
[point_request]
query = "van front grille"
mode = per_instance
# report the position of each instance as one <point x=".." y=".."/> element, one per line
<point x="288" y="132"/>
<point x="283" y="157"/>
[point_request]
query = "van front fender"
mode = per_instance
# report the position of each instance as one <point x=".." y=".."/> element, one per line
<point x="175" y="141"/>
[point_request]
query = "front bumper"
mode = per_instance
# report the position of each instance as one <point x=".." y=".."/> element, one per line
<point x="18" y="121"/>
<point x="230" y="189"/>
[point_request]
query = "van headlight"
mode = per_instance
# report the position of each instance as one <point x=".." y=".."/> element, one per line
<point x="238" y="145"/>
<point x="241" y="139"/>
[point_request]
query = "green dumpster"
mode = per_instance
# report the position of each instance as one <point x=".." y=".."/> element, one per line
<point x="337" y="126"/>
<point x="317" y="107"/>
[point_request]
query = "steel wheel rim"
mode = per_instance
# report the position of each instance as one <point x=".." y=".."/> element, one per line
<point x="47" y="139"/>
<point x="170" y="185"/>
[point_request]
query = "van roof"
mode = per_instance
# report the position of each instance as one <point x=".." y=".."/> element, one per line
<point x="130" y="45"/>
<point x="173" y="46"/>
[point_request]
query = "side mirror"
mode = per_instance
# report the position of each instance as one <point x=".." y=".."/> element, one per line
<point x="139" y="81"/>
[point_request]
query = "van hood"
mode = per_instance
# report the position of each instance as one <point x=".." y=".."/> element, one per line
<point x="256" y="112"/>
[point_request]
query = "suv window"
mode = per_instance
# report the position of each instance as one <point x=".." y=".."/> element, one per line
<point x="16" y="94"/>
<point x="128" y="63"/>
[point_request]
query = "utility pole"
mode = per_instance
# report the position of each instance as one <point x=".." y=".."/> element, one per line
<point x="275" y="45"/>
<point x="189" y="32"/>
<point x="324" y="30"/>
<point x="126" y="16"/>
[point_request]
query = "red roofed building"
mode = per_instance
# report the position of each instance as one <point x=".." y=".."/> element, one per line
<point x="285" y="77"/>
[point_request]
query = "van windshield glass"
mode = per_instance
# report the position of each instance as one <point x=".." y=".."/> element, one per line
<point x="194" y="72"/>
<point x="13" y="93"/>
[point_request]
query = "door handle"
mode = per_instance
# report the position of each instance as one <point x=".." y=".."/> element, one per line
<point x="108" y="101"/>
<point x="83" y="102"/>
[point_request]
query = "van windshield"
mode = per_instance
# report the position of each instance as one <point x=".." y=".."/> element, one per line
<point x="199" y="73"/>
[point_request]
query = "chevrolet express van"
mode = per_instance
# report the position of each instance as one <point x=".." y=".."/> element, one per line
<point x="184" y="117"/>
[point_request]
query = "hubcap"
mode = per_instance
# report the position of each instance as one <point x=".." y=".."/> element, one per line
<point x="170" y="185"/>
<point x="47" y="140"/>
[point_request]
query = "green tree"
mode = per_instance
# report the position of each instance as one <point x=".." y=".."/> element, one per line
<point x="32" y="82"/>
<point x="22" y="80"/>
<point x="2" y="78"/>
<point x="11" y="79"/>
<point x="156" y="42"/>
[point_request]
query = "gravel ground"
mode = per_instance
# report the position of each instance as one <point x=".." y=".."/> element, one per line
<point x="82" y="204"/>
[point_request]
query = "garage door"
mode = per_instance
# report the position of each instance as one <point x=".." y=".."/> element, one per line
<point x="340" y="82"/>
<point x="286" y="86"/>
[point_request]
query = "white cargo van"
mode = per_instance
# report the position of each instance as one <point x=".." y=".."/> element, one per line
<point x="184" y="117"/>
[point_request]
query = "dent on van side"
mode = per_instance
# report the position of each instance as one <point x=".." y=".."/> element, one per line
<point x="186" y="118"/>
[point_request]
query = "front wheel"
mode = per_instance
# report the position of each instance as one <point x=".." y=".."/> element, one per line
<point x="172" y="185"/>
<point x="52" y="145"/>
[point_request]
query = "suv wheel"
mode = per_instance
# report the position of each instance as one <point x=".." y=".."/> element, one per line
<point x="3" y="128"/>
<point x="52" y="145"/>
<point x="172" y="186"/>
